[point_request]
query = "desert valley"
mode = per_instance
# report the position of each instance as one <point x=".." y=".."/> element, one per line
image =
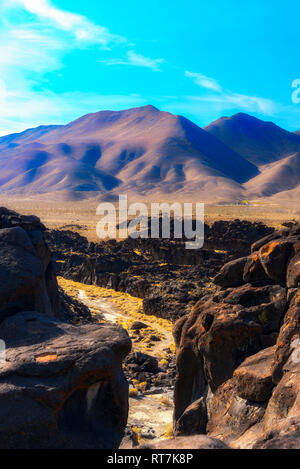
<point x="141" y="343"/>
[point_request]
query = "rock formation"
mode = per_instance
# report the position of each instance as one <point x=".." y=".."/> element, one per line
<point x="167" y="276"/>
<point x="237" y="351"/>
<point x="61" y="386"/>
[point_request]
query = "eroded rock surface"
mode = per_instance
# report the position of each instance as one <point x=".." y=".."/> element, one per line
<point x="65" y="381"/>
<point x="61" y="386"/>
<point x="238" y="349"/>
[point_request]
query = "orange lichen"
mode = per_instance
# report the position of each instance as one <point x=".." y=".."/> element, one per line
<point x="46" y="358"/>
<point x="266" y="250"/>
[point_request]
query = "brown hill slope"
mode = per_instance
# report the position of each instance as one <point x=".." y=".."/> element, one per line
<point x="258" y="141"/>
<point x="140" y="150"/>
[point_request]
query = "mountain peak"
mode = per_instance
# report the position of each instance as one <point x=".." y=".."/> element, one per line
<point x="144" y="152"/>
<point x="256" y="140"/>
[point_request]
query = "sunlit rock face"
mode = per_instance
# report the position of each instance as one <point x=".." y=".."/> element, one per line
<point x="61" y="386"/>
<point x="237" y="350"/>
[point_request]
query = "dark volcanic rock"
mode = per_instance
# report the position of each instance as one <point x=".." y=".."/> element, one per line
<point x="253" y="378"/>
<point x="285" y="435"/>
<point x="254" y="271"/>
<point x="62" y="386"/>
<point x="141" y="362"/>
<point x="229" y="415"/>
<point x="73" y="311"/>
<point x="138" y="325"/>
<point x="193" y="420"/>
<point x="293" y="270"/>
<point x="240" y="324"/>
<point x="239" y="349"/>
<point x="289" y="333"/>
<point x="27" y="272"/>
<point x="22" y="281"/>
<point x="170" y="278"/>
<point x="231" y="274"/>
<point x="274" y="257"/>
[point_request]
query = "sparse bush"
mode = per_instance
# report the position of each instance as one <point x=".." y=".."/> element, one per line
<point x="133" y="392"/>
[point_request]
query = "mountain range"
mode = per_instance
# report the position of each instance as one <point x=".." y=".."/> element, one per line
<point x="150" y="154"/>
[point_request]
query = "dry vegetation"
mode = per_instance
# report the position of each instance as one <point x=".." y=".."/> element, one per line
<point x="128" y="309"/>
<point x="81" y="216"/>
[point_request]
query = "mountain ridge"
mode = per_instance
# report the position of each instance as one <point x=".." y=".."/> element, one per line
<point x="150" y="153"/>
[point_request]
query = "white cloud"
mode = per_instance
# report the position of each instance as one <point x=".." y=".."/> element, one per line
<point x="32" y="47"/>
<point x="81" y="27"/>
<point x="35" y="36"/>
<point x="225" y="99"/>
<point x="137" y="60"/>
<point x="204" y="81"/>
<point x="229" y="100"/>
<point x="141" y="61"/>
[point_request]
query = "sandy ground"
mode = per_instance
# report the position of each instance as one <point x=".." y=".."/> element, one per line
<point x="81" y="216"/>
<point x="148" y="410"/>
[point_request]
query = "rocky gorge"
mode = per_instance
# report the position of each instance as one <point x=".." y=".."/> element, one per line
<point x="67" y="376"/>
<point x="169" y="278"/>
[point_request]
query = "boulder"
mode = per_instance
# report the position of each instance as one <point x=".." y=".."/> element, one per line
<point x="193" y="420"/>
<point x="62" y="386"/>
<point x="286" y="435"/>
<point x="43" y="292"/>
<point x="138" y="325"/>
<point x="230" y="416"/>
<point x="231" y="274"/>
<point x="253" y="270"/>
<point x="238" y="351"/>
<point x="220" y="333"/>
<point x="141" y="362"/>
<point x="288" y="335"/>
<point x="293" y="269"/>
<point x="285" y="399"/>
<point x="253" y="378"/>
<point x="22" y="281"/>
<point x="274" y="257"/>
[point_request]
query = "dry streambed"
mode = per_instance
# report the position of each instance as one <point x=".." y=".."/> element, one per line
<point x="150" y="410"/>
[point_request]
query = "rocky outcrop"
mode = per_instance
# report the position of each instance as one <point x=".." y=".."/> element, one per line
<point x="237" y="350"/>
<point x="27" y="273"/>
<point x="193" y="421"/>
<point x="253" y="378"/>
<point x="169" y="278"/>
<point x="235" y="236"/>
<point x="61" y="386"/>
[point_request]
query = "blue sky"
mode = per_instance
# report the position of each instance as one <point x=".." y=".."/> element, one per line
<point x="60" y="59"/>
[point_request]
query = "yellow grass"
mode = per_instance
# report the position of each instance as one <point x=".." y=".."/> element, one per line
<point x="169" y="432"/>
<point x="133" y="392"/>
<point x="131" y="309"/>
